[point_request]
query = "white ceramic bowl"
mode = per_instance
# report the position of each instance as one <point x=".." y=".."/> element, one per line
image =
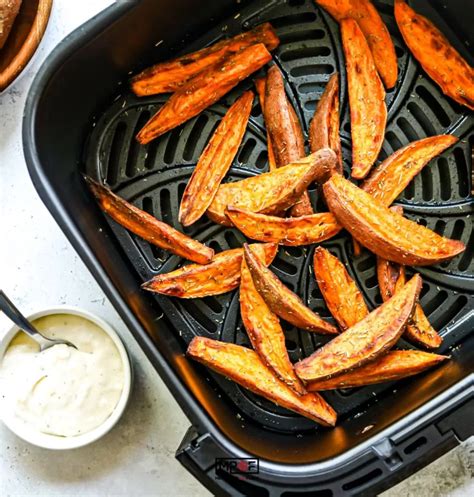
<point x="46" y="441"/>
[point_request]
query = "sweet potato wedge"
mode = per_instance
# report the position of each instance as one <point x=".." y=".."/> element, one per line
<point x="384" y="232"/>
<point x="281" y="300"/>
<point x="171" y="75"/>
<point x="203" y="90"/>
<point x="440" y="60"/>
<point x="391" y="277"/>
<point x="221" y="275"/>
<point x="245" y="367"/>
<point x="395" y="365"/>
<point x="375" y="31"/>
<point x="366" y="99"/>
<point x="285" y="131"/>
<point x="324" y="127"/>
<point x="148" y="227"/>
<point x="393" y="175"/>
<point x="339" y="290"/>
<point x="290" y="231"/>
<point x="215" y="161"/>
<point x="265" y="332"/>
<point x="272" y="192"/>
<point x="260" y="85"/>
<point x="366" y="340"/>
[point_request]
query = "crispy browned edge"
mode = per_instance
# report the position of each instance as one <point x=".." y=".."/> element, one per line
<point x="281" y="300"/>
<point x="265" y="332"/>
<point x="395" y="365"/>
<point x="215" y="160"/>
<point x="374" y="29"/>
<point x="315" y="167"/>
<point x="324" y="126"/>
<point x="260" y="84"/>
<point x="285" y="131"/>
<point x="203" y="90"/>
<point x="170" y="75"/>
<point x="396" y="238"/>
<point x="221" y="275"/>
<point x="340" y="292"/>
<point x="393" y="175"/>
<point x="245" y="367"/>
<point x="289" y="231"/>
<point x="443" y="63"/>
<point x="148" y="227"/>
<point x="368" y="111"/>
<point x="365" y="341"/>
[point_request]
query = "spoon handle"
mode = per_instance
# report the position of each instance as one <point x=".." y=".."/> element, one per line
<point x="7" y="306"/>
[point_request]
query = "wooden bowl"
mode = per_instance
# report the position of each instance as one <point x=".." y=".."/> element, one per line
<point x="25" y="36"/>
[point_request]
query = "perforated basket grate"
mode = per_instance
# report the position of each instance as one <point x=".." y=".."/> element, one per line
<point x="154" y="176"/>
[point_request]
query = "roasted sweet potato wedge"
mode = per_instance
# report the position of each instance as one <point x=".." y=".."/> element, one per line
<point x="443" y="63"/>
<point x="366" y="99"/>
<point x="391" y="278"/>
<point x="395" y="365"/>
<point x="171" y="75"/>
<point x="281" y="300"/>
<point x="366" y="340"/>
<point x="272" y="192"/>
<point x="203" y="90"/>
<point x="148" y="227"/>
<point x="375" y="31"/>
<point x="260" y="85"/>
<point x="245" y="367"/>
<point x="339" y="290"/>
<point x="215" y="161"/>
<point x="393" y="175"/>
<point x="221" y="275"/>
<point x="324" y="127"/>
<point x="290" y="231"/>
<point x="265" y="332"/>
<point x="285" y="130"/>
<point x="385" y="233"/>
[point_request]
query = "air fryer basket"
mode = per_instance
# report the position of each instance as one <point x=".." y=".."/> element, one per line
<point x="81" y="116"/>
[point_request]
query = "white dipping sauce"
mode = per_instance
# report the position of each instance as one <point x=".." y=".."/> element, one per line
<point x="62" y="391"/>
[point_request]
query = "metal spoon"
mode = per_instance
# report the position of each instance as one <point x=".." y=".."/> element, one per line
<point x="6" y="305"/>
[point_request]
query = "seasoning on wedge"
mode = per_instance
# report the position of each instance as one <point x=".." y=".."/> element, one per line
<point x="441" y="61"/>
<point x="393" y="175"/>
<point x="221" y="275"/>
<point x="339" y="290"/>
<point x="215" y="161"/>
<point x="383" y="232"/>
<point x="260" y="84"/>
<point x="324" y="127"/>
<point x="290" y="231"/>
<point x="366" y="99"/>
<point x="273" y="192"/>
<point x="375" y="31"/>
<point x="148" y="227"/>
<point x="203" y="90"/>
<point x="366" y="340"/>
<point x="391" y="278"/>
<point x="285" y="131"/>
<point x="245" y="367"/>
<point x="265" y="332"/>
<point x="281" y="300"/>
<point x="395" y="365"/>
<point x="171" y="75"/>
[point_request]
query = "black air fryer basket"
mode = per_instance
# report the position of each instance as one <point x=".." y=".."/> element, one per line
<point x="80" y="116"/>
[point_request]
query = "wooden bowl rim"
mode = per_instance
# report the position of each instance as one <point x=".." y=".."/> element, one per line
<point x="30" y="45"/>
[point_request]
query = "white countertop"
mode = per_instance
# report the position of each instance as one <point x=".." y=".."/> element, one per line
<point x="39" y="268"/>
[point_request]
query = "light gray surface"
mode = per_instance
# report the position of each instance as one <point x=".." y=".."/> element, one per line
<point x="38" y="268"/>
